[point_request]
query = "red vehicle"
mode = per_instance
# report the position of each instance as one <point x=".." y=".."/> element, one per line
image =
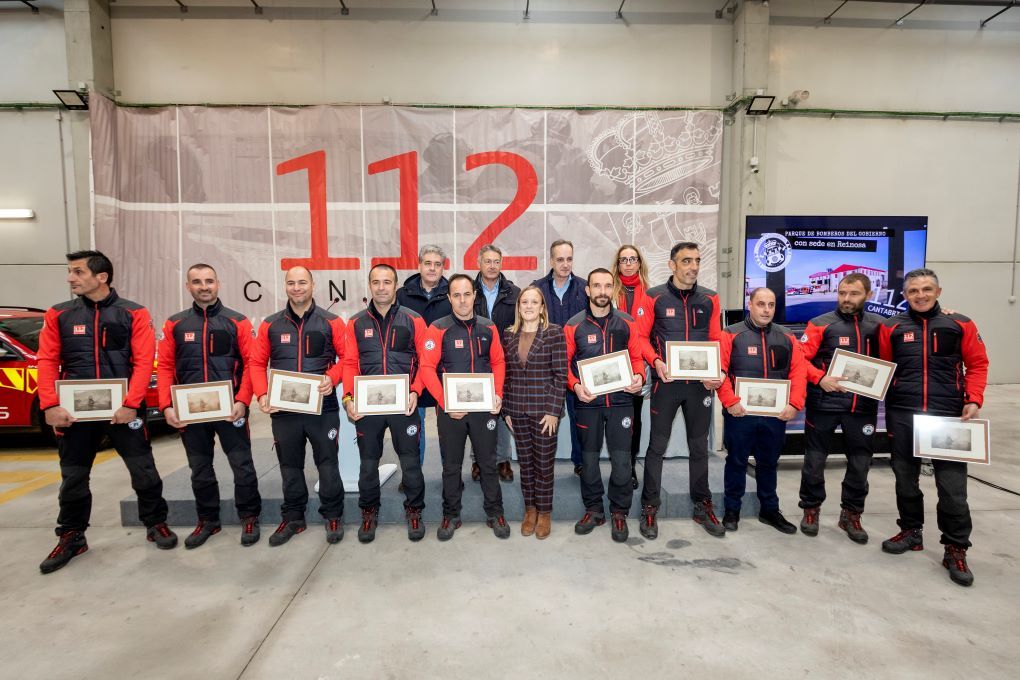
<point x="19" y="371"/>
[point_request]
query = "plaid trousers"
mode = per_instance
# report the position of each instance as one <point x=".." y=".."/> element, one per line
<point x="536" y="455"/>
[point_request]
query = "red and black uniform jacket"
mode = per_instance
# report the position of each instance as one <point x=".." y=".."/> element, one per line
<point x="941" y="363"/>
<point x="86" y="340"/>
<point x="311" y="343"/>
<point x="822" y="337"/>
<point x="205" y="345"/>
<point x="589" y="336"/>
<point x="453" y="345"/>
<point x="668" y="314"/>
<point x="384" y="345"/>
<point x="772" y="352"/>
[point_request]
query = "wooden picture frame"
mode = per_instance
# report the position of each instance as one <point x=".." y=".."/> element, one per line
<point x="693" y="360"/>
<point x="763" y="397"/>
<point x="295" y="392"/>
<point x="947" y="438"/>
<point x="381" y="394"/>
<point x="203" y="402"/>
<point x="92" y="400"/>
<point x="606" y="374"/>
<point x="469" y="392"/>
<point x="866" y="376"/>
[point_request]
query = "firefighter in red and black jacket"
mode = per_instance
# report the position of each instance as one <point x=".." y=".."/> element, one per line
<point x="758" y="348"/>
<point x="597" y="331"/>
<point x="829" y="405"/>
<point x="678" y="310"/>
<point x="99" y="336"/>
<point x="941" y="370"/>
<point x="466" y="343"/>
<point x="386" y="339"/>
<point x="303" y="338"/>
<point x="208" y="342"/>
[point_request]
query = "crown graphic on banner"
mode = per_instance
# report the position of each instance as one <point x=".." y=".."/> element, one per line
<point x="638" y="151"/>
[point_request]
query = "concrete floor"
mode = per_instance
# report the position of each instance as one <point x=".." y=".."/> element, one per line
<point x="754" y="604"/>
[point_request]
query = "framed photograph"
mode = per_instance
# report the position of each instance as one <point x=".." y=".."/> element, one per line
<point x="92" y="399"/>
<point x="380" y="394"/>
<point x="864" y="375"/>
<point x="607" y="373"/>
<point x="295" y="392"/>
<point x="693" y="360"/>
<point x="203" y="402"/>
<point x="469" y="392"/>
<point x="761" y="397"/>
<point x="952" y="439"/>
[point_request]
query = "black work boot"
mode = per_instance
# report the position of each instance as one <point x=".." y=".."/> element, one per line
<point x="955" y="560"/>
<point x="591" y="519"/>
<point x="705" y="516"/>
<point x="649" y="527"/>
<point x="366" y="531"/>
<point x="287" y="530"/>
<point x="731" y="520"/>
<point x="69" y="545"/>
<point x="250" y="531"/>
<point x="908" y="539"/>
<point x="162" y="536"/>
<point x="415" y="527"/>
<point x="334" y="530"/>
<point x="447" y="527"/>
<point x="809" y="523"/>
<point x="850" y="522"/>
<point x="620" y="530"/>
<point x="775" y="519"/>
<point x="499" y="526"/>
<point x="201" y="534"/>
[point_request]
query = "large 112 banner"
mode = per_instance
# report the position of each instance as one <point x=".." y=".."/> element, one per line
<point x="255" y="190"/>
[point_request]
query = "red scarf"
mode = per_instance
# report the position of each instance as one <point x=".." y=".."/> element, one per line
<point x="639" y="291"/>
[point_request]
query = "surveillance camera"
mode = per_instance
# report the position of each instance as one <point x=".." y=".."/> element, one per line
<point x="754" y="164"/>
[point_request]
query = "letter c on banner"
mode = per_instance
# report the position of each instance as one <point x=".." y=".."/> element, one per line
<point x="248" y="297"/>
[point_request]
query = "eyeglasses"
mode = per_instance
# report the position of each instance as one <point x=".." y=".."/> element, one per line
<point x="633" y="259"/>
<point x="491" y="263"/>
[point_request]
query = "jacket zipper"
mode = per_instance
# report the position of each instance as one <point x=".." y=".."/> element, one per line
<point x="605" y="333"/>
<point x="95" y="333"/>
<point x="764" y="356"/>
<point x="300" y="340"/>
<point x="205" y="336"/>
<point x="471" y="342"/>
<point x="924" y="364"/>
<point x="857" y="329"/>
<point x="382" y="338"/>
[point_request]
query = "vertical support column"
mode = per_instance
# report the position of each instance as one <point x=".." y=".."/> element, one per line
<point x="89" y="61"/>
<point x="746" y="138"/>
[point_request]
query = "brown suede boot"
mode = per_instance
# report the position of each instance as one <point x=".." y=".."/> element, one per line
<point x="530" y="519"/>
<point x="544" y="525"/>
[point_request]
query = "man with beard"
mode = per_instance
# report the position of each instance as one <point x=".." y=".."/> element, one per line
<point x="829" y="406"/>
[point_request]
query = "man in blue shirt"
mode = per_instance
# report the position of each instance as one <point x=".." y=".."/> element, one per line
<point x="565" y="297"/>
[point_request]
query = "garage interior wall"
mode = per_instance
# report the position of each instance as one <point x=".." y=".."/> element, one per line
<point x="965" y="175"/>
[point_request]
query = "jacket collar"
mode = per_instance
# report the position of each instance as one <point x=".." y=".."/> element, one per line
<point x="105" y="302"/>
<point x="389" y="314"/>
<point x="930" y="314"/>
<point x="412" y="286"/>
<point x="289" y="311"/>
<point x="849" y="317"/>
<point x="754" y="327"/>
<point x="680" y="293"/>
<point x="213" y="309"/>
<point x="503" y="288"/>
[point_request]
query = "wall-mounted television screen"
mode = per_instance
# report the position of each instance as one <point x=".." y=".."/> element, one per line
<point x="802" y="259"/>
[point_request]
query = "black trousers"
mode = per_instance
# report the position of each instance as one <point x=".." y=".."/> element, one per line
<point x="858" y="436"/>
<point x="952" y="510"/>
<point x="77" y="446"/>
<point x="481" y="428"/>
<point x="635" y="437"/>
<point x="696" y="402"/>
<point x="199" y="445"/>
<point x="290" y="433"/>
<point x="614" y="424"/>
<point x="404" y="431"/>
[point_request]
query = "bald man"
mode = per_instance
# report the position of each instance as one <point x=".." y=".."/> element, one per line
<point x="304" y="338"/>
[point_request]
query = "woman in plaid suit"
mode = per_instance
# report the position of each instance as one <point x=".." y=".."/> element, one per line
<point x="536" y="378"/>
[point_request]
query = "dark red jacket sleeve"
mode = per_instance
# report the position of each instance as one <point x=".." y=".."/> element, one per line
<point x="975" y="361"/>
<point x="431" y="354"/>
<point x="421" y="329"/>
<point x="245" y="346"/>
<point x="336" y="371"/>
<point x="885" y="342"/>
<point x="634" y="347"/>
<point x="798" y="374"/>
<point x="498" y="363"/>
<point x="645" y="321"/>
<point x="571" y="343"/>
<point x="143" y="353"/>
<point x="726" y="395"/>
<point x="49" y="360"/>
<point x="260" y="361"/>
<point x="166" y="365"/>
<point x="812" y="341"/>
<point x="715" y="324"/>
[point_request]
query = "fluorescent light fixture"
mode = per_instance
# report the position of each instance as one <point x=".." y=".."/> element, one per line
<point x="760" y="105"/>
<point x="16" y="214"/>
<point x="73" y="100"/>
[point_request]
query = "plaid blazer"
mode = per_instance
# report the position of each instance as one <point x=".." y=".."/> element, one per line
<point x="539" y="387"/>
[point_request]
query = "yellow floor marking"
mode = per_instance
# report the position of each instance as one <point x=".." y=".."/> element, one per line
<point x="27" y="457"/>
<point x="17" y="476"/>
<point x="40" y="479"/>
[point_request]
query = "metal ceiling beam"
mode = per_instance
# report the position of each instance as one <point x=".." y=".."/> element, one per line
<point x="1011" y="4"/>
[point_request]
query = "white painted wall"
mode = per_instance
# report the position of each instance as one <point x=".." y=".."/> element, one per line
<point x="963" y="175"/>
